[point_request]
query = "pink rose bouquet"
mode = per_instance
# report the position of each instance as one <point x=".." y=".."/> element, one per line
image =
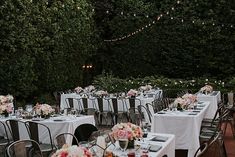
<point x="72" y="151"/>
<point x="43" y="109"/>
<point x="132" y="92"/>
<point x="6" y="104"/>
<point x="206" y="89"/>
<point x="133" y="131"/>
<point x="78" y="89"/>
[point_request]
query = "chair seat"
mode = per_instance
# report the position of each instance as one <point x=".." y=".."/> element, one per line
<point x="3" y="142"/>
<point x="45" y="147"/>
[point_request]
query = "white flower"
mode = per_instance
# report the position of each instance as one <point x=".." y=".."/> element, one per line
<point x="78" y="89"/>
<point x="43" y="109"/>
<point x="101" y="93"/>
<point x="207" y="88"/>
<point x="132" y="92"/>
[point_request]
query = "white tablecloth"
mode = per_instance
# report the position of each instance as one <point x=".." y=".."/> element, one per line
<point x="123" y="104"/>
<point x="214" y="98"/>
<point x="68" y="125"/>
<point x="167" y="148"/>
<point x="185" y="127"/>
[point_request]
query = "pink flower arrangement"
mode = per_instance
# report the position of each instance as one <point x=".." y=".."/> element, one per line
<point x="89" y="89"/>
<point x="78" y="89"/>
<point x="145" y="88"/>
<point x="72" y="151"/>
<point x="132" y="92"/>
<point x="101" y="93"/>
<point x="133" y="131"/>
<point x="190" y="98"/>
<point x="206" y="89"/>
<point x="6" y="104"/>
<point x="43" y="109"/>
<point x="186" y="100"/>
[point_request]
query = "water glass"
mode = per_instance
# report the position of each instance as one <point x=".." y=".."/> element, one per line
<point x="29" y="108"/>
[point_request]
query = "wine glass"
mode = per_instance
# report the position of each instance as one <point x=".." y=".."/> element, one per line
<point x="123" y="141"/>
<point x="29" y="108"/>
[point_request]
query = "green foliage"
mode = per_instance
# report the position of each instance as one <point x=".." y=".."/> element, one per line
<point x="170" y="48"/>
<point x="170" y="86"/>
<point x="43" y="46"/>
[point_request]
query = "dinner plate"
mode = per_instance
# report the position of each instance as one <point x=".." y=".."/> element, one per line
<point x="59" y="120"/>
<point x="159" y="138"/>
<point x="193" y="113"/>
<point x="37" y="119"/>
<point x="154" y="148"/>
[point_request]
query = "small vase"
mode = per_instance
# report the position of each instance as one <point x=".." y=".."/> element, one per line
<point x="6" y="115"/>
<point x="45" y="116"/>
<point x="131" y="144"/>
<point x="179" y="108"/>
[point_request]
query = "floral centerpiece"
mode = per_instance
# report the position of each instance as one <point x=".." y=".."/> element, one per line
<point x="133" y="131"/>
<point x="6" y="104"/>
<point x="132" y="93"/>
<point x="206" y="89"/>
<point x="101" y="93"/>
<point x="72" y="151"/>
<point x="78" y="89"/>
<point x="89" y="89"/>
<point x="185" y="101"/>
<point x="145" y="88"/>
<point x="43" y="110"/>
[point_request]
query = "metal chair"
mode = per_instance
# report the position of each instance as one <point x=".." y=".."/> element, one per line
<point x="84" y="131"/>
<point x="17" y="129"/>
<point x="104" y="113"/>
<point x="120" y="110"/>
<point x="35" y="131"/>
<point x="216" y="147"/>
<point x="4" y="140"/>
<point x="62" y="139"/>
<point x="24" y="148"/>
<point x="201" y="150"/>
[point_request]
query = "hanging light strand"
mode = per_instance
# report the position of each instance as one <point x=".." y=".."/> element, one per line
<point x="167" y="13"/>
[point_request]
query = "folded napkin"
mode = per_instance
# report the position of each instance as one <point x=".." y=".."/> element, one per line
<point x="159" y="138"/>
<point x="154" y="148"/>
<point x="161" y="112"/>
<point x="214" y="93"/>
<point x="193" y="113"/>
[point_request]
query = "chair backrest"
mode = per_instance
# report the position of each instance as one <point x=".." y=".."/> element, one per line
<point x="84" y="131"/>
<point x="147" y="116"/>
<point x="4" y="141"/>
<point x="69" y="103"/>
<point x="35" y="131"/>
<point x="24" y="148"/>
<point x="134" y="102"/>
<point x="100" y="104"/>
<point x="62" y="139"/>
<point x="85" y="103"/>
<point x="201" y="150"/>
<point x="17" y="128"/>
<point x="216" y="146"/>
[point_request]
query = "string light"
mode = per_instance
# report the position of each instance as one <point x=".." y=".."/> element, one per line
<point x="152" y="23"/>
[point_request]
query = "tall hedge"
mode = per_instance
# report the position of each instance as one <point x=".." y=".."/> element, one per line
<point x="201" y="45"/>
<point x="43" y="45"/>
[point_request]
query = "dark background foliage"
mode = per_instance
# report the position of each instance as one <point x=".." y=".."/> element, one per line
<point x="170" y="47"/>
<point x="44" y="44"/>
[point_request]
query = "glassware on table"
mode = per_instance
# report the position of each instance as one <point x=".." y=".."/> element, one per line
<point x="20" y="110"/>
<point x="123" y="142"/>
<point x="29" y="108"/>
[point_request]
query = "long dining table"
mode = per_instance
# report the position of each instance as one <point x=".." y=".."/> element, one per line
<point x="165" y="144"/>
<point x="57" y="125"/>
<point x="185" y="125"/>
<point x="214" y="98"/>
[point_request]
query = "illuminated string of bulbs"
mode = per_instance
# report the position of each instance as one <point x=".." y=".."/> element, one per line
<point x="153" y="22"/>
